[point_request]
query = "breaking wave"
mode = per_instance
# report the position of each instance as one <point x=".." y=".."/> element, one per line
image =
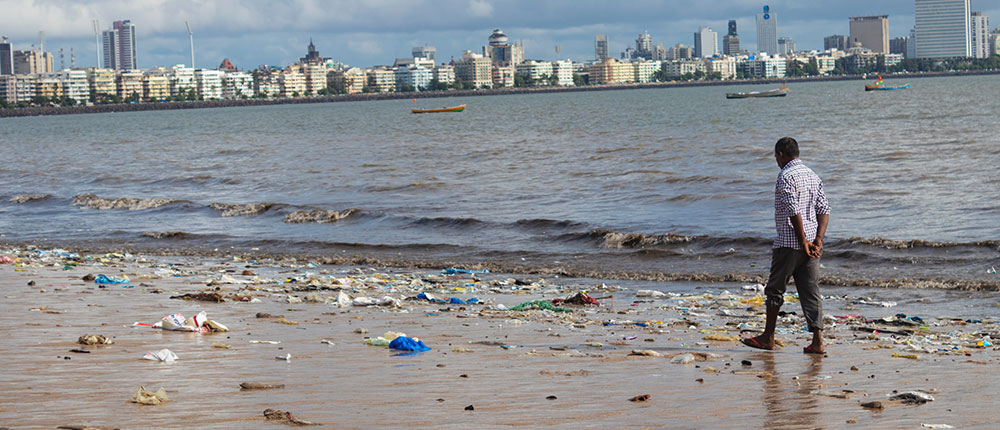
<point x="908" y="244"/>
<point x="319" y="216"/>
<point x="252" y="209"/>
<point x="121" y="203"/>
<point x="166" y="235"/>
<point x="25" y="198"/>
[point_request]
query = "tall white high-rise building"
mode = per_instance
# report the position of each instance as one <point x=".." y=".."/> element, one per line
<point x="942" y="28"/>
<point x="644" y="45"/>
<point x="706" y="43"/>
<point x="428" y="52"/>
<point x="119" y="46"/>
<point x="767" y="31"/>
<point x="979" y="27"/>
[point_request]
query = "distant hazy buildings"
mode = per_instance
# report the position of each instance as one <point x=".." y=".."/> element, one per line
<point x="428" y="52"/>
<point x="837" y="41"/>
<point x="979" y="27"/>
<point x="6" y="57"/>
<point x="786" y="46"/>
<point x="897" y="45"/>
<point x="119" y="46"/>
<point x="679" y="52"/>
<point x="767" y="31"/>
<point x="32" y="61"/>
<point x="871" y="32"/>
<point x="601" y="47"/>
<point x="644" y="46"/>
<point x="501" y="52"/>
<point x="731" y="42"/>
<point x="474" y="69"/>
<point x="706" y="43"/>
<point x="942" y="28"/>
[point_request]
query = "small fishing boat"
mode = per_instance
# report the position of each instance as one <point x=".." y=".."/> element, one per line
<point x="777" y="92"/>
<point x="448" y="109"/>
<point x="879" y="87"/>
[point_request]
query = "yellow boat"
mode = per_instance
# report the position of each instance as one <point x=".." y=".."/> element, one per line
<point x="449" y="109"/>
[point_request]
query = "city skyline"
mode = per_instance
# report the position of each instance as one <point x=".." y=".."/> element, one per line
<point x="366" y="33"/>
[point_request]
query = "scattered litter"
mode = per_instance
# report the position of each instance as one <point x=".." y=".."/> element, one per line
<point x="937" y="426"/>
<point x="176" y="322"/>
<point x="640" y="398"/>
<point x="286" y="417"/>
<point x="461" y="349"/>
<point x="872" y="405"/>
<point x="205" y="297"/>
<point x="907" y="356"/>
<point x="454" y="271"/>
<point x="404" y="343"/>
<point x="646" y="353"/>
<point x="266" y="342"/>
<point x="918" y="397"/>
<point x="259" y="386"/>
<point x="144" y="397"/>
<point x="221" y="345"/>
<point x="721" y="338"/>
<point x="286" y="357"/>
<point x="286" y="322"/>
<point x="650" y="293"/>
<point x="94" y="339"/>
<point x="164" y="355"/>
<point x="687" y="358"/>
<point x="328" y="342"/>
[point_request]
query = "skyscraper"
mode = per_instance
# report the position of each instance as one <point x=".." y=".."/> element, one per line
<point x="601" y="47"/>
<point x="767" y="31"/>
<point x="119" y="46"/>
<point x="6" y="56"/>
<point x="731" y="42"/>
<point x="705" y="43"/>
<point x="786" y="46"/>
<point x="428" y="52"/>
<point x="942" y="28"/>
<point x="502" y="52"/>
<point x="837" y="41"/>
<point x="871" y="32"/>
<point x="979" y="26"/>
<point x="644" y="45"/>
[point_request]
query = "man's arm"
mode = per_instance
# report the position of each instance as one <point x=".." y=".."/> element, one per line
<point x="800" y="234"/>
<point x="822" y="220"/>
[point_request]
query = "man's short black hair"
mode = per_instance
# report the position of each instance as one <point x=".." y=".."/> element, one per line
<point x="787" y="146"/>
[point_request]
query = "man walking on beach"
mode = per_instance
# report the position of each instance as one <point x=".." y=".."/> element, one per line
<point x="801" y="213"/>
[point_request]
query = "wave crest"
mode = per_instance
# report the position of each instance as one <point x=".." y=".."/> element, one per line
<point x="319" y="216"/>
<point x="252" y="209"/>
<point x="121" y="203"/>
<point x="615" y="239"/>
<point x="917" y="243"/>
<point x="25" y="198"/>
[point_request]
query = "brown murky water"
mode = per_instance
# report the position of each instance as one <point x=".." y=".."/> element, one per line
<point x="353" y="386"/>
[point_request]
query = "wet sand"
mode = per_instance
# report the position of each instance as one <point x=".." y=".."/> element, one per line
<point x="351" y="385"/>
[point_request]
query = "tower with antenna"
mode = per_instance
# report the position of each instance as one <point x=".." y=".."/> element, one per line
<point x="97" y="45"/>
<point x="191" y="37"/>
<point x="62" y="60"/>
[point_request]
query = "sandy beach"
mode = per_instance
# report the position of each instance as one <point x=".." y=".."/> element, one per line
<point x="488" y="367"/>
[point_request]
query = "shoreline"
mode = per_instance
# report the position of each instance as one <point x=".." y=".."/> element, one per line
<point x="118" y="108"/>
<point x="666" y="357"/>
<point x="393" y="259"/>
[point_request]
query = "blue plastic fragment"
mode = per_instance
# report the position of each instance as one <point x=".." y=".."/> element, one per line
<point x="454" y="271"/>
<point x="404" y="343"/>
<point x="101" y="279"/>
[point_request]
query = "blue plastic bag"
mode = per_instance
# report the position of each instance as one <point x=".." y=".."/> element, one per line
<point x="101" y="279"/>
<point x="404" y="343"/>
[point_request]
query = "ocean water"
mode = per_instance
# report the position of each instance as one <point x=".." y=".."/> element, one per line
<point x="653" y="183"/>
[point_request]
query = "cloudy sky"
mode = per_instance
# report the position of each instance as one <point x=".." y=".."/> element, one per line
<point x="370" y="32"/>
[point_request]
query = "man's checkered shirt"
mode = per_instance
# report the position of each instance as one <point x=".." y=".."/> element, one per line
<point x="798" y="191"/>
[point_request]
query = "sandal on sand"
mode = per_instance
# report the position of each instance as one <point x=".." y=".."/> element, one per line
<point x="809" y="350"/>
<point x="753" y="343"/>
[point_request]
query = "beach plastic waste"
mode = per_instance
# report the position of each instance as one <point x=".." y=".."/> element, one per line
<point x="6" y="260"/>
<point x="645" y="353"/>
<point x="371" y="301"/>
<point x="176" y="322"/>
<point x="259" y="386"/>
<point x="164" y="355"/>
<point x="454" y="271"/>
<point x="404" y="343"/>
<point x="918" y="397"/>
<point x="721" y="338"/>
<point x="282" y="416"/>
<point x="286" y="357"/>
<point x="447" y="300"/>
<point x="102" y="279"/>
<point x="580" y="298"/>
<point x="539" y="304"/>
<point x="640" y="398"/>
<point x="94" y="339"/>
<point x="650" y="293"/>
<point x="145" y="397"/>
<point x="683" y="359"/>
<point x="937" y="426"/>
